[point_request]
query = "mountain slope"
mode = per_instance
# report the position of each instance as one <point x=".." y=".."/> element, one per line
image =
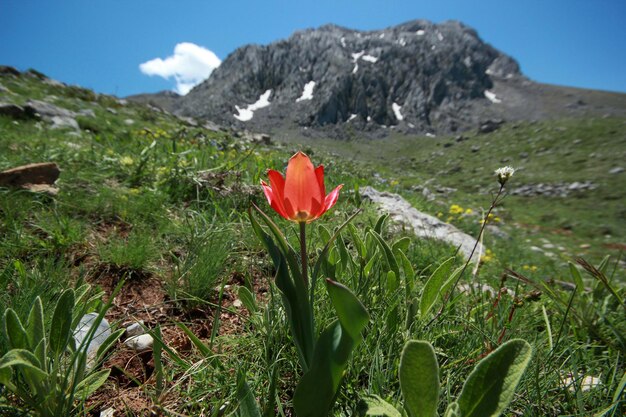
<point x="418" y="77"/>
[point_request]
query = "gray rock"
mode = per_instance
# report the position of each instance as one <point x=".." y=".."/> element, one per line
<point x="135" y="329"/>
<point x="14" y="111"/>
<point x="423" y="225"/>
<point x="140" y="342"/>
<point x="100" y="334"/>
<point x="62" y="122"/>
<point x="129" y="122"/>
<point x="87" y="113"/>
<point x="616" y="170"/>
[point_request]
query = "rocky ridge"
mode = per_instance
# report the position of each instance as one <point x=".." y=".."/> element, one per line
<point x="415" y="77"/>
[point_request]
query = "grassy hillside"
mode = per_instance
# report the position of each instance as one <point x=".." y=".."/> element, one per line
<point x="160" y="205"/>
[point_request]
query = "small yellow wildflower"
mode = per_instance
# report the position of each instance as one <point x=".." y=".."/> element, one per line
<point x="456" y="209"/>
<point x="439" y="214"/>
<point x="393" y="183"/>
<point x="468" y="211"/>
<point x="497" y="219"/>
<point x="126" y="160"/>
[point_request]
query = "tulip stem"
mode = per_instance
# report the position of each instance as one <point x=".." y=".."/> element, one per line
<point x="303" y="256"/>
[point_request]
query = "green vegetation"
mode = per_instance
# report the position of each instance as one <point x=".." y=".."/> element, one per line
<point x="162" y="206"/>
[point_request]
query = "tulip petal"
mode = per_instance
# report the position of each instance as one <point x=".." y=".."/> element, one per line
<point x="302" y="186"/>
<point x="319" y="173"/>
<point x="277" y="182"/>
<point x="331" y="198"/>
<point x="271" y="198"/>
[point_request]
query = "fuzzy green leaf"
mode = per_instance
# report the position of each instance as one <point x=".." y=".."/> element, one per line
<point x="376" y="406"/>
<point x="490" y="387"/>
<point x="61" y="327"/>
<point x="89" y="385"/>
<point x="23" y="360"/>
<point x="14" y="331"/>
<point x="34" y="327"/>
<point x="247" y="403"/>
<point x="419" y="379"/>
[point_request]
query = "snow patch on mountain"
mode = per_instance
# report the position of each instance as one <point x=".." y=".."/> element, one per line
<point x="247" y="113"/>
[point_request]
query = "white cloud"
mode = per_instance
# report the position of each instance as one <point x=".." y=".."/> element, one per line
<point x="189" y="66"/>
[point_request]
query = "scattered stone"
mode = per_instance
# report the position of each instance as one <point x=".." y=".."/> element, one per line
<point x="60" y="122"/>
<point x="460" y="138"/>
<point x="129" y="122"/>
<point x="447" y="144"/>
<point x="475" y="148"/>
<point x="548" y="246"/>
<point x="14" y="111"/>
<point x="140" y="342"/>
<point x="38" y="177"/>
<point x="112" y="111"/>
<point x="585" y="246"/>
<point x="489" y="126"/>
<point x="135" y="329"/>
<point x="237" y="303"/>
<point x="109" y="412"/>
<point x="59" y="117"/>
<point x="3" y="89"/>
<point x="616" y="170"/>
<point x="423" y="225"/>
<point x="53" y="83"/>
<point x="553" y="190"/>
<point x="523" y="155"/>
<point x="87" y="113"/>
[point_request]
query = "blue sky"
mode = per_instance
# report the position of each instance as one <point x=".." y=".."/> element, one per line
<point x="100" y="44"/>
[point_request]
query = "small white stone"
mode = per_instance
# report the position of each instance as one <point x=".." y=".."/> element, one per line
<point x="109" y="412"/>
<point x="139" y="343"/>
<point x="237" y="303"/>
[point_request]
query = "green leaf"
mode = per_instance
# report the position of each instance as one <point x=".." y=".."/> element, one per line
<point x="389" y="256"/>
<point x="578" y="279"/>
<point x="291" y="285"/>
<point x="61" y="327"/>
<point x="324" y="234"/>
<point x="247" y="299"/>
<point x="317" y="390"/>
<point x="23" y="360"/>
<point x="108" y="343"/>
<point x="376" y="406"/>
<point x="409" y="273"/>
<point x="204" y="349"/>
<point x="401" y="245"/>
<point x="419" y="379"/>
<point x="453" y="410"/>
<point x="433" y="287"/>
<point x="89" y="385"/>
<point x="14" y="331"/>
<point x="380" y="223"/>
<point x="247" y="403"/>
<point x="34" y="327"/>
<point x="358" y="242"/>
<point x="351" y="313"/>
<point x="490" y="387"/>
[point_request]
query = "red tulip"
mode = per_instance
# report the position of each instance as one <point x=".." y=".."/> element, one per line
<point x="301" y="195"/>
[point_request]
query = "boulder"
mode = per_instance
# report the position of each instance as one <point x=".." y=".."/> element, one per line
<point x="423" y="225"/>
<point x="39" y="177"/>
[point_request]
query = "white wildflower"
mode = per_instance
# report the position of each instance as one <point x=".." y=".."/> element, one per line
<point x="504" y="174"/>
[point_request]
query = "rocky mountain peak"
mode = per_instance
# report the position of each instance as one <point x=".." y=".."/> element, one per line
<point x="418" y="76"/>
